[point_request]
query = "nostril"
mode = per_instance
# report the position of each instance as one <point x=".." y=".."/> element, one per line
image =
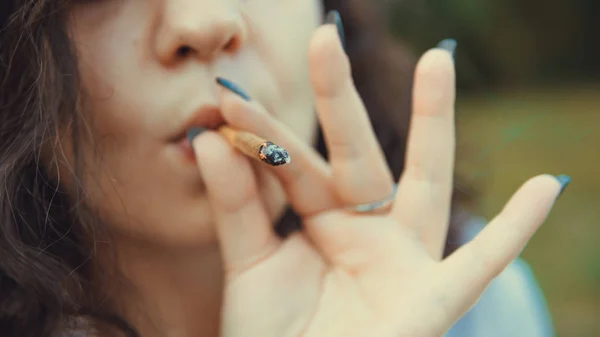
<point x="209" y="50"/>
<point x="184" y="51"/>
<point x="231" y="45"/>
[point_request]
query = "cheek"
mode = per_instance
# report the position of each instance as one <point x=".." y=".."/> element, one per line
<point x="282" y="39"/>
<point x="113" y="108"/>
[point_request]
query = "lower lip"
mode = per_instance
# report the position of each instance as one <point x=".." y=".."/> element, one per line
<point x="186" y="149"/>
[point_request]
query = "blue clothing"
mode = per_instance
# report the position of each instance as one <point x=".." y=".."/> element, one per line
<point x="512" y="306"/>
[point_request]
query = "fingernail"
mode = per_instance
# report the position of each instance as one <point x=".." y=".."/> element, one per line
<point x="334" y="18"/>
<point x="564" y="181"/>
<point x="193" y="132"/>
<point x="448" y="45"/>
<point x="233" y="88"/>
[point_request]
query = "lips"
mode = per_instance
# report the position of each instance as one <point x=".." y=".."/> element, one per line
<point x="208" y="117"/>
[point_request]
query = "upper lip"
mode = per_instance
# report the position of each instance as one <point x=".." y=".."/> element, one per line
<point x="207" y="116"/>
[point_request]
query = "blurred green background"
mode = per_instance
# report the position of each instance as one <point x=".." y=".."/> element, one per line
<point x="528" y="103"/>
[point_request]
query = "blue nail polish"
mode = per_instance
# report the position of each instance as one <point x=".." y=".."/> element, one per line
<point x="564" y="181"/>
<point x="334" y="18"/>
<point x="233" y="88"/>
<point x="449" y="45"/>
<point x="193" y="133"/>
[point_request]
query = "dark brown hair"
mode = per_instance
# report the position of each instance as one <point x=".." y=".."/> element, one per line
<point x="45" y="234"/>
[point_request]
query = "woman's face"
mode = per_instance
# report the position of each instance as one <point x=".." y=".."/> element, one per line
<point x="148" y="69"/>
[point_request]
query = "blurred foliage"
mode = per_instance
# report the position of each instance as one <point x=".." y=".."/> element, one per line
<point x="507" y="42"/>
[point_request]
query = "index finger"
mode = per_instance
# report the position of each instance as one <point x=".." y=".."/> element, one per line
<point x="306" y="180"/>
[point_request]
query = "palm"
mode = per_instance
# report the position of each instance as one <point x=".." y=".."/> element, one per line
<point x="348" y="273"/>
<point x="380" y="277"/>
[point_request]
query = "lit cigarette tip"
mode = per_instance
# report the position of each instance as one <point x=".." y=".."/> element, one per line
<point x="274" y="155"/>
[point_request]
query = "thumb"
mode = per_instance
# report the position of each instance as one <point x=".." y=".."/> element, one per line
<point x="242" y="224"/>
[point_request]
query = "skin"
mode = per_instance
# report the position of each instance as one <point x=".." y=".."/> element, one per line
<point x="194" y="236"/>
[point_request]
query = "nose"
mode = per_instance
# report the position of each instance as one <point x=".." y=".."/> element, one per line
<point x="191" y="28"/>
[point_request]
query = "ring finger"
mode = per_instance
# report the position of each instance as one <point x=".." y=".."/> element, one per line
<point x="425" y="189"/>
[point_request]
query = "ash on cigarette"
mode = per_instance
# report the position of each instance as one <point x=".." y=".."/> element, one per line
<point x="273" y="155"/>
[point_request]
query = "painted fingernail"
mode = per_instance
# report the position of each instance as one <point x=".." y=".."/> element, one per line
<point x="448" y="45"/>
<point x="233" y="88"/>
<point x="564" y="181"/>
<point x="193" y="133"/>
<point x="334" y="18"/>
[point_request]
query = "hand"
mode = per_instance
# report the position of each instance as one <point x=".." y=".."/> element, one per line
<point x="351" y="274"/>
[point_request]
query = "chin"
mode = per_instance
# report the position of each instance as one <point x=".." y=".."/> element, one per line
<point x="191" y="224"/>
<point x="191" y="227"/>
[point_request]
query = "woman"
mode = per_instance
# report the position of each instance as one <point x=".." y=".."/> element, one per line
<point x="124" y="212"/>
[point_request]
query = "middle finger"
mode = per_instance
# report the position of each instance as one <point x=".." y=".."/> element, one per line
<point x="359" y="167"/>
